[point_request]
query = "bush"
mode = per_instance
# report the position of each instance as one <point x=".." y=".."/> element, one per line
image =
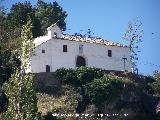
<point x="67" y="76"/>
<point x="61" y="73"/>
<point x="156" y="88"/>
<point x="87" y="74"/>
<point x="105" y="90"/>
<point x="79" y="76"/>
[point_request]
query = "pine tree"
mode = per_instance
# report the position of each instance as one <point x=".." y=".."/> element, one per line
<point x="19" y="89"/>
<point x="50" y="13"/>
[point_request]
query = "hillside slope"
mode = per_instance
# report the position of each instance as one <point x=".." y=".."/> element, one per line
<point x="79" y="91"/>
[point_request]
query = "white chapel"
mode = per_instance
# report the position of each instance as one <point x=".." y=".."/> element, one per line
<point x="57" y="50"/>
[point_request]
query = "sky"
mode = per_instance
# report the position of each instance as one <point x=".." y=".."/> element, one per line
<point x="109" y="19"/>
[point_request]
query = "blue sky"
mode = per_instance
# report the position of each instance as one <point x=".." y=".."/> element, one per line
<point x="108" y="19"/>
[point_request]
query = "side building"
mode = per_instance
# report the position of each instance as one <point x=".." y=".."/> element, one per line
<point x="57" y="50"/>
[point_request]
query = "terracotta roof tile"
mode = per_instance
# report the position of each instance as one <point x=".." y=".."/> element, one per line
<point x="91" y="40"/>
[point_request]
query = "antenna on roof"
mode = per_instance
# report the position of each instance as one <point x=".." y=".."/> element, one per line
<point x="89" y="32"/>
<point x="52" y="25"/>
<point x="55" y="23"/>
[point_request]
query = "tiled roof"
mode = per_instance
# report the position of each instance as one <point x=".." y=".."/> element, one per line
<point x="91" y="40"/>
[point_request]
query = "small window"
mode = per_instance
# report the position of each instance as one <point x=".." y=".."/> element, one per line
<point x="109" y="53"/>
<point x="64" y="48"/>
<point x="81" y="48"/>
<point x="43" y="51"/>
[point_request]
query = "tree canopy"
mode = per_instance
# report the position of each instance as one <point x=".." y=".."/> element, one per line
<point x="49" y="13"/>
<point x="42" y="16"/>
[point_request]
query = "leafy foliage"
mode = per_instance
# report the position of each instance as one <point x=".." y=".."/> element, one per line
<point x="19" y="14"/>
<point x="11" y="25"/>
<point x="105" y="90"/>
<point x="124" y="93"/>
<point x="2" y="21"/>
<point x="8" y="60"/>
<point x="21" y="105"/>
<point x="49" y="13"/>
<point x="8" y="63"/>
<point x="79" y="76"/>
<point x="156" y="88"/>
<point x="156" y="84"/>
<point x="157" y="75"/>
<point x="67" y="76"/>
<point x="22" y="98"/>
<point x="87" y="74"/>
<point x="10" y="30"/>
<point x="42" y="16"/>
<point x="9" y="38"/>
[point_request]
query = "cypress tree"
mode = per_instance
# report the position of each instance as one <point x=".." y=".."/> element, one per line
<point x="19" y="89"/>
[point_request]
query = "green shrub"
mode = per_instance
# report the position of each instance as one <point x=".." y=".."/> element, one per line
<point x="155" y="87"/>
<point x="87" y="74"/>
<point x="61" y="73"/>
<point x="67" y="76"/>
<point x="105" y="90"/>
<point x="79" y="76"/>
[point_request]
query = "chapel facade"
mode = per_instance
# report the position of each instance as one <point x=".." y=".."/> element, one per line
<point x="57" y="50"/>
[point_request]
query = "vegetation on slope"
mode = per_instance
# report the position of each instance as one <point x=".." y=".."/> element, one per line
<point x="40" y="16"/>
<point x="120" y="95"/>
<point x="83" y="90"/>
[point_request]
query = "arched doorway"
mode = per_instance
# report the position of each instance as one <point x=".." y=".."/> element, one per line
<point x="80" y="61"/>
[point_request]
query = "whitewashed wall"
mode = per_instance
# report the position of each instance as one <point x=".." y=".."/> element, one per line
<point x="96" y="56"/>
